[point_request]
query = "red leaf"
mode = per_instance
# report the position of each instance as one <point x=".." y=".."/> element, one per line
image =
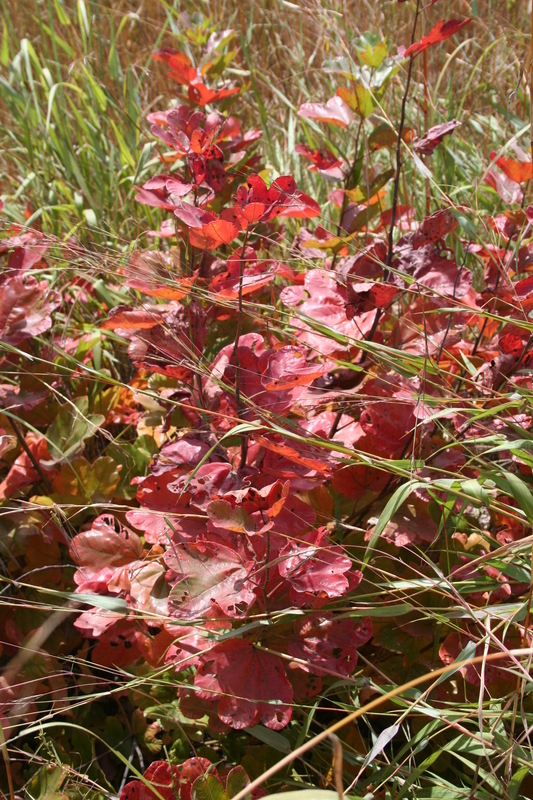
<point x="148" y="271"/>
<point x="357" y="480"/>
<point x="450" y="650"/>
<point x="300" y="206"/>
<point x="294" y="453"/>
<point x="25" y="308"/>
<point x="288" y="367"/>
<point x="323" y="161"/>
<point x="517" y="171"/>
<point x="173" y="782"/>
<point x="182" y="70"/>
<point x="132" y="319"/>
<point x="323" y="299"/>
<point x="407" y="528"/>
<point x="326" y="643"/>
<point x="251" y="685"/>
<point x="119" y="646"/>
<point x="443" y="275"/>
<point x="434" y="136"/>
<point x="199" y="93"/>
<point x="152" y="198"/>
<point x="361" y="297"/>
<point x="22" y="472"/>
<point x="441" y="31"/>
<point x="316" y="570"/>
<point x="164" y="54"/>
<point x="213" y="234"/>
<point x="435" y="227"/>
<point x="104" y="546"/>
<point x="508" y="190"/>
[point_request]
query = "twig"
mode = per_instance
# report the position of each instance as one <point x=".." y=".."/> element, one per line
<point x="35" y="464"/>
<point x="399" y="149"/>
<point x="347" y="182"/>
<point x="244" y="436"/>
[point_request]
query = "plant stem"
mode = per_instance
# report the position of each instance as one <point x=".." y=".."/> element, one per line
<point x="244" y="437"/>
<point x="399" y="150"/>
<point x="347" y="182"/>
<point x="35" y="464"/>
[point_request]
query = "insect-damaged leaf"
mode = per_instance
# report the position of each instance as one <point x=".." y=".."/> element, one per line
<point x="211" y="577"/>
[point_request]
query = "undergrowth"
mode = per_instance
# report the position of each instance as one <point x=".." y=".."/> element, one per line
<point x="266" y="435"/>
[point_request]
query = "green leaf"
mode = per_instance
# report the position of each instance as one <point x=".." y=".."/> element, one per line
<point x="222" y="514"/>
<point x="516" y="781"/>
<point x="517" y="488"/>
<point x="61" y="13"/>
<point x="360" y="100"/>
<point x="71" y="427"/>
<point x="271" y="738"/>
<point x="466" y="224"/>
<point x="371" y="49"/>
<point x="208" y="787"/>
<point x="236" y="782"/>
<point x="4" y="48"/>
<point x="46" y="783"/>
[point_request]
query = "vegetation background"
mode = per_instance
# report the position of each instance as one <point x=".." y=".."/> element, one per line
<point x="77" y="81"/>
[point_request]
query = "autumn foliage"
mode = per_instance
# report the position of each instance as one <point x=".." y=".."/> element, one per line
<point x="223" y="504"/>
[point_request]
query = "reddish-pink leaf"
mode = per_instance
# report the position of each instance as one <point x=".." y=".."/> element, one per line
<point x="107" y="544"/>
<point x="199" y="93"/>
<point x="326" y="643"/>
<point x="315" y="569"/>
<point x="361" y="297"/>
<point x="132" y="319"/>
<point x="211" y="577"/>
<point x="335" y="112"/>
<point x="25" y="308"/>
<point x="508" y="190"/>
<point x="288" y="367"/>
<point x="435" y="227"/>
<point x="213" y="234"/>
<point x="434" y="136"/>
<point x="251" y="685"/>
<point x="119" y="646"/>
<point x="171" y="781"/>
<point x="357" y="480"/>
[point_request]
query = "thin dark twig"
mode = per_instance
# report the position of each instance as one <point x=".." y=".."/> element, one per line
<point x="347" y="182"/>
<point x="244" y="437"/>
<point x="35" y="464"/>
<point x="396" y="189"/>
<point x="399" y="149"/>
